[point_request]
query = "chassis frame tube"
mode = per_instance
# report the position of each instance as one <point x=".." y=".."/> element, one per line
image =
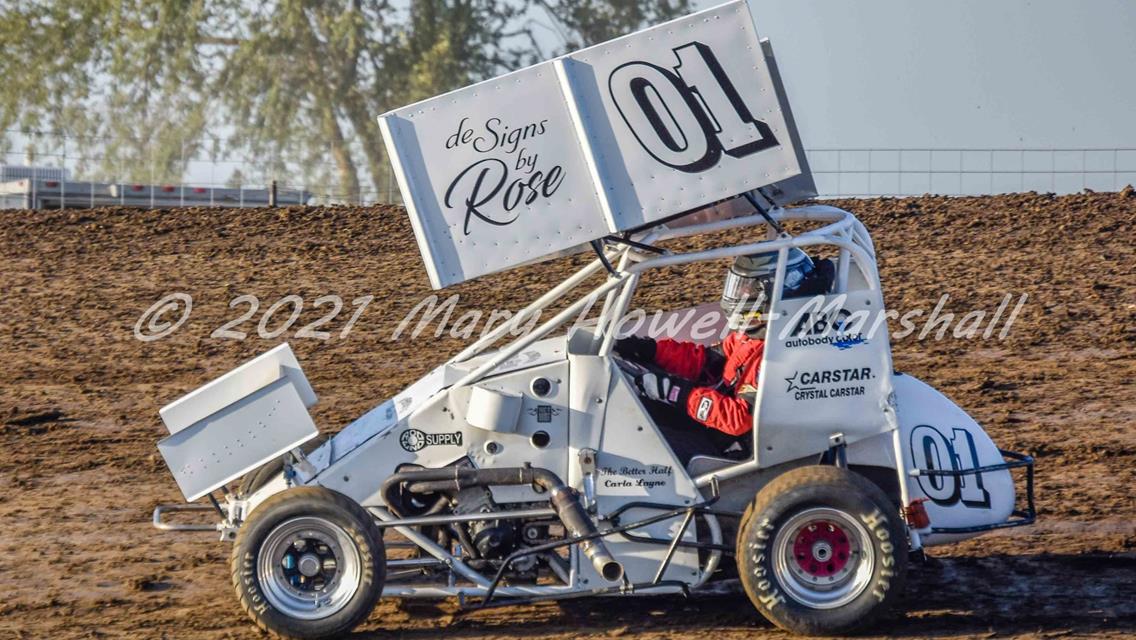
<point x="427" y="521"/>
<point x="480" y="583"/>
<point x="551" y="295"/>
<point x="539" y="332"/>
<point x="669" y="511"/>
<point x="565" y="502"/>
<point x="487" y="589"/>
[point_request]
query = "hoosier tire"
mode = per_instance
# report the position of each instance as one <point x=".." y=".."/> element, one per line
<point x="822" y="551"/>
<point x="308" y="564"/>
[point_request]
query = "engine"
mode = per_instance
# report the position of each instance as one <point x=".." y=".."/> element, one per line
<point x="484" y="544"/>
<point x="492" y="539"/>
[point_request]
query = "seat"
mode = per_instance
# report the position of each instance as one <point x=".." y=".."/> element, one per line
<point x="701" y="464"/>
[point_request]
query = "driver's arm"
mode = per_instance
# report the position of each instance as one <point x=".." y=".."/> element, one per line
<point x="682" y="359"/>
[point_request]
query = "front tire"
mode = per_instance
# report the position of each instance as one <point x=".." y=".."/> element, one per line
<point x="822" y="551"/>
<point x="308" y="564"/>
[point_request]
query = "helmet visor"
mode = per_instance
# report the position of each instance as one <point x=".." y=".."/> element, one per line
<point x="744" y="293"/>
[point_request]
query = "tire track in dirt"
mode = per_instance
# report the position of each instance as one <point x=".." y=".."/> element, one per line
<point x="79" y="395"/>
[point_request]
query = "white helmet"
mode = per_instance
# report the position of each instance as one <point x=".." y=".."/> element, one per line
<point x="749" y="284"/>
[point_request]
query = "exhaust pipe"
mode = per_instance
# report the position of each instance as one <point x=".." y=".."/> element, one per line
<point x="566" y="502"/>
<point x="563" y="499"/>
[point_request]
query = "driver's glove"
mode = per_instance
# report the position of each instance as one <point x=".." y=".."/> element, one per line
<point x="663" y="388"/>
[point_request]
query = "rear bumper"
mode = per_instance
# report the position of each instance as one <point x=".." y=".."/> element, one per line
<point x="1019" y="517"/>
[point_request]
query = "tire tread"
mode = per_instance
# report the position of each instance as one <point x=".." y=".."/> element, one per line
<point x="320" y="494"/>
<point x="814" y="475"/>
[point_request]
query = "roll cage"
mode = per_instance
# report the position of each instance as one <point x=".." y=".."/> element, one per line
<point x="627" y="259"/>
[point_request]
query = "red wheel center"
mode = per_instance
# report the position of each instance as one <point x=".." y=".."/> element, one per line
<point x="821" y="549"/>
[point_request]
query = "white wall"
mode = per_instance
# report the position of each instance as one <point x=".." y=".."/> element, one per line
<point x="960" y="74"/>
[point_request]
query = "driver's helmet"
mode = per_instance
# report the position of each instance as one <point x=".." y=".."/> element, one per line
<point x="749" y="284"/>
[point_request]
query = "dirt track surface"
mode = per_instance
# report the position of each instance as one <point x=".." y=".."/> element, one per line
<point x="79" y="395"/>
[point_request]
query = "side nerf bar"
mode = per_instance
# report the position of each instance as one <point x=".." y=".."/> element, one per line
<point x="1019" y="517"/>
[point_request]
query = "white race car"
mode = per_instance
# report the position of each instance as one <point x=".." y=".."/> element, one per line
<point x="535" y="471"/>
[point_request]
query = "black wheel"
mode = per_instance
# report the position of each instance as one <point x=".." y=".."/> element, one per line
<point x="308" y="564"/>
<point x="260" y="477"/>
<point x="257" y="479"/>
<point x="822" y="551"/>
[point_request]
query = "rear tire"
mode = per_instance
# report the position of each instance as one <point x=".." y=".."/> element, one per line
<point x="309" y="564"/>
<point x="822" y="551"/>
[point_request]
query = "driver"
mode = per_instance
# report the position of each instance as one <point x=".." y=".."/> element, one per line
<point x="717" y="386"/>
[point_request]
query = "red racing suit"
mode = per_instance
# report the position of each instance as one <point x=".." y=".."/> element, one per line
<point x="720" y="404"/>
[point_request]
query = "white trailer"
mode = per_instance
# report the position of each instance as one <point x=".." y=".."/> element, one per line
<point x="534" y="469"/>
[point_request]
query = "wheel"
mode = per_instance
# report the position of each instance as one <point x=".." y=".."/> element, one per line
<point x="822" y="551"/>
<point x="309" y="564"/>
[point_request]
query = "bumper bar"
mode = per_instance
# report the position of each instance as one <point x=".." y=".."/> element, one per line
<point x="162" y="509"/>
<point x="1019" y="517"/>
